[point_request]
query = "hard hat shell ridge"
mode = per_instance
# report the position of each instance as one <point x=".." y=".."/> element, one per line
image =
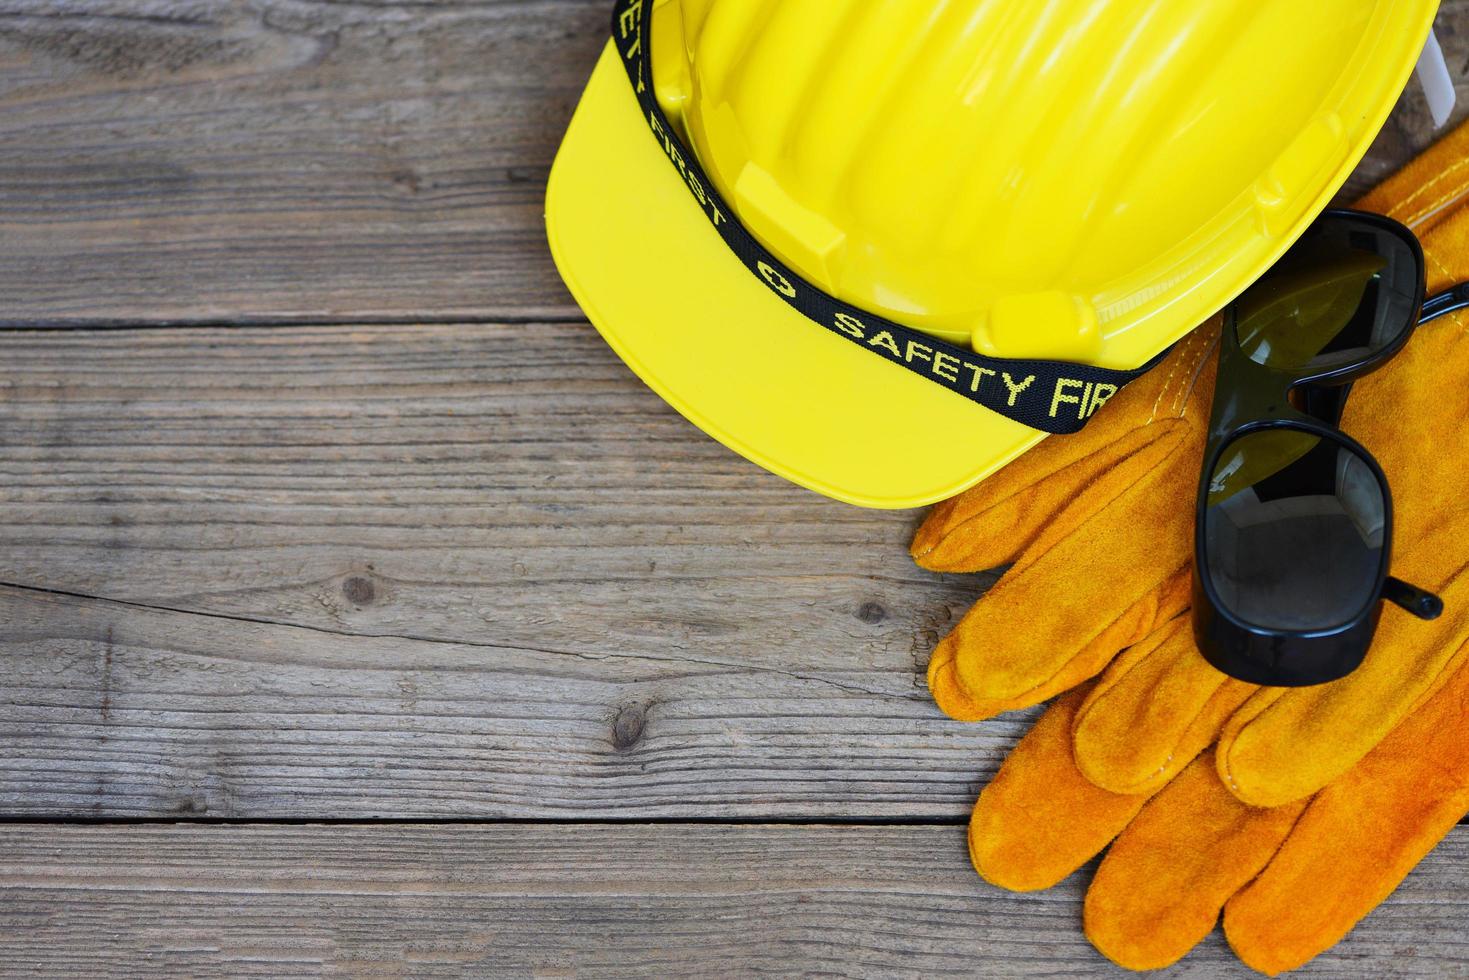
<point x="1082" y="180"/>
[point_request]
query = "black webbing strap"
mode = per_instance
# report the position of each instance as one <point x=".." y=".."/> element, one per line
<point x="1052" y="396"/>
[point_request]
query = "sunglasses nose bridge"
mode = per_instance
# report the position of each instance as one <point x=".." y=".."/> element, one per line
<point x="1266" y="399"/>
<point x="1293" y="533"/>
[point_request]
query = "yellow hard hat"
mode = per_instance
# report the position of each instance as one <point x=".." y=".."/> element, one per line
<point x="948" y="188"/>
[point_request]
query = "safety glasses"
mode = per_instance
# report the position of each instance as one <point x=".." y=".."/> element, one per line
<point x="1294" y="524"/>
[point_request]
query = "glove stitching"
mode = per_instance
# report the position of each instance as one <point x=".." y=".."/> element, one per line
<point x="1183" y="402"/>
<point x="1429" y="188"/>
<point x="1172" y="371"/>
<point x="1438" y="264"/>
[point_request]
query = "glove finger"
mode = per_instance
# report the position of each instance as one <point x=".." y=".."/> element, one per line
<point x="1363" y="833"/>
<point x="1047" y="675"/>
<point x="1159" y="890"/>
<point x="995" y="522"/>
<point x="1284" y="745"/>
<point x="1359" y="838"/>
<point x="1039" y="819"/>
<point x="1030" y="638"/>
<point x="1157" y="706"/>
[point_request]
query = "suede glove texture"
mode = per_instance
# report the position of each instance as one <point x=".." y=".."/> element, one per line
<point x="1215" y="786"/>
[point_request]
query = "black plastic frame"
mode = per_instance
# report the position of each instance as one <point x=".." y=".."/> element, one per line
<point x="1251" y="397"/>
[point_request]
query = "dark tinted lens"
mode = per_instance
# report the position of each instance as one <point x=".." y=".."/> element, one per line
<point x="1293" y="531"/>
<point x="1343" y="293"/>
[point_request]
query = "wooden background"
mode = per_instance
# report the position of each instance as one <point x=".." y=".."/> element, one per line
<point x="321" y="504"/>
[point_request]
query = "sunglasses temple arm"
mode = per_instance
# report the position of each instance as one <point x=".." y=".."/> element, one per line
<point x="1419" y="602"/>
<point x="1449" y="301"/>
<point x="1328" y="402"/>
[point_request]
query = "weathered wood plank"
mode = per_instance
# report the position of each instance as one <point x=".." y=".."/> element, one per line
<point x="465" y="553"/>
<point x="164" y="161"/>
<point x="442" y="901"/>
<point x="510" y="485"/>
<point x="112" y="710"/>
<point x="296" y="160"/>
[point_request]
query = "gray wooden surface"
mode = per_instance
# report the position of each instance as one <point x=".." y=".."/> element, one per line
<point x="596" y="901"/>
<point x="471" y="571"/>
<point x="321" y="502"/>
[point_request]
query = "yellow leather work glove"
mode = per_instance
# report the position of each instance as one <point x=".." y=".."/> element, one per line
<point x="1099" y="527"/>
<point x="1293" y="879"/>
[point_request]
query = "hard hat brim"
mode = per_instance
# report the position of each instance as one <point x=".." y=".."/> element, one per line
<point x="658" y="282"/>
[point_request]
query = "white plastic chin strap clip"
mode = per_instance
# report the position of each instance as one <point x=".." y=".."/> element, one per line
<point x="1438" y="84"/>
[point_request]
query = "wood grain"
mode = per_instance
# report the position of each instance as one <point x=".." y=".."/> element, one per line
<point x="440" y="571"/>
<point x="595" y="901"/>
<point x="214" y="161"/>
<point x="221" y="161"/>
<point x="115" y="710"/>
<point x="444" y="569"/>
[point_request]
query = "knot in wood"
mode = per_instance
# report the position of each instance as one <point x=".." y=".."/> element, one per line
<point x="627" y="727"/>
<point x="359" y="590"/>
